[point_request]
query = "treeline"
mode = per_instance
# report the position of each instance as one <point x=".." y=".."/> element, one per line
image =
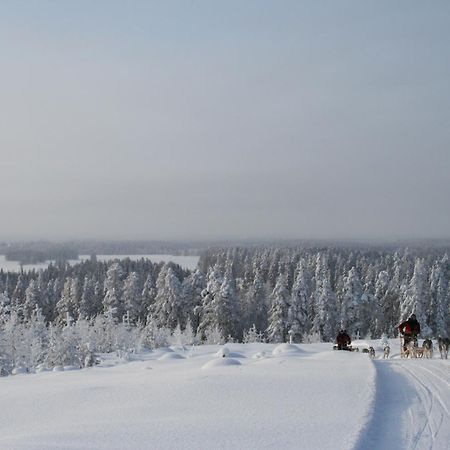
<point x="29" y="252"/>
<point x="37" y="252"/>
<point x="242" y="293"/>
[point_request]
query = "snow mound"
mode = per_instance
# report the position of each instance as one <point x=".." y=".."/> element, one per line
<point x="170" y="355"/>
<point x="286" y="349"/>
<point x="67" y="368"/>
<point x="223" y="352"/>
<point x="178" y="348"/>
<point x="221" y="362"/>
<point x="58" y="369"/>
<point x="161" y="351"/>
<point x="259" y="355"/>
<point x="19" y="370"/>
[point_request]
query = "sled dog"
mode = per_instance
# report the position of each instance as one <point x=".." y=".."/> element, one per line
<point x="371" y="352"/>
<point x="410" y="350"/>
<point x="386" y="351"/>
<point x="427" y="348"/>
<point x="443" y="344"/>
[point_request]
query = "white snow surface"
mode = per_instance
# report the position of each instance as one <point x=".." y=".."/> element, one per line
<point x="315" y="398"/>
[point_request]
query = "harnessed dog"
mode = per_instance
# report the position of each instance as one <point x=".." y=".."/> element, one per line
<point x="443" y="344"/>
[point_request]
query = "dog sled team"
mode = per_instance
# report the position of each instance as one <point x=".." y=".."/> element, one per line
<point x="409" y="330"/>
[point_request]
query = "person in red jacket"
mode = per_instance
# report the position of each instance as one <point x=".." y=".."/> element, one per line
<point x="343" y="340"/>
<point x="409" y="329"/>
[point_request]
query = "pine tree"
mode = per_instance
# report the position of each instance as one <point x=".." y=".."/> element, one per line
<point x="255" y="303"/>
<point x="67" y="306"/>
<point x="279" y="304"/>
<point x="132" y="297"/>
<point x="148" y="296"/>
<point x="167" y="306"/>
<point x="440" y="294"/>
<point x="32" y="299"/>
<point x="207" y="312"/>
<point x="227" y="313"/>
<point x="298" y="310"/>
<point x="325" y="307"/>
<point x="192" y="288"/>
<point x="351" y="303"/>
<point x="112" y="304"/>
<point x="416" y="297"/>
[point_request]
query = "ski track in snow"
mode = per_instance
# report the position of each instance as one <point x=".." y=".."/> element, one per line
<point x="412" y="410"/>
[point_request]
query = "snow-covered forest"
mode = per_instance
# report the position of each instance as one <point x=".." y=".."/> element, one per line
<point x="66" y="314"/>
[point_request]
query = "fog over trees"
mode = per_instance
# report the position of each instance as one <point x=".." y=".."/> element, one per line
<point x="65" y="314"/>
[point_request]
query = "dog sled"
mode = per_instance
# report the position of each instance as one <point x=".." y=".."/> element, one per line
<point x="348" y="348"/>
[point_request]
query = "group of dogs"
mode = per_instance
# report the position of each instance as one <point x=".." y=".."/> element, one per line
<point x="426" y="351"/>
<point x="412" y="351"/>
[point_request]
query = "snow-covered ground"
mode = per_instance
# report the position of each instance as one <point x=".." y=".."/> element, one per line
<point x="244" y="396"/>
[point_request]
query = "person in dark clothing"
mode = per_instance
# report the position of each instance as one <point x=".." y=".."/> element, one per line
<point x="343" y="340"/>
<point x="409" y="329"/>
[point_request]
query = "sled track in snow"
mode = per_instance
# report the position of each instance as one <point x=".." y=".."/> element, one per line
<point x="434" y="407"/>
<point x="412" y="406"/>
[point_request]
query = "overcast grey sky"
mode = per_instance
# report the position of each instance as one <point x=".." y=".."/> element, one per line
<point x="224" y="119"/>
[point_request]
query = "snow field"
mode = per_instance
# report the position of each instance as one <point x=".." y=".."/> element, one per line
<point x="314" y="398"/>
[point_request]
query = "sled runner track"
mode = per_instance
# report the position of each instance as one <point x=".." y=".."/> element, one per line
<point x="435" y="409"/>
<point x="434" y="373"/>
<point x="411" y="409"/>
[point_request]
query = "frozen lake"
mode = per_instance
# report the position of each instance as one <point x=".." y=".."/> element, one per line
<point x="188" y="262"/>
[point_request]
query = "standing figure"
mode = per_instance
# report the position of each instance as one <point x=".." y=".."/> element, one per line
<point x="409" y="330"/>
<point x="343" y="340"/>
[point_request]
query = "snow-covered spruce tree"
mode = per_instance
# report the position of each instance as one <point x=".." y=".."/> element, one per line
<point x="15" y="345"/>
<point x="153" y="336"/>
<point x="5" y="358"/>
<point x="166" y="310"/>
<point x="369" y="311"/>
<point x="132" y="297"/>
<point x="255" y="303"/>
<point x="67" y="306"/>
<point x="351" y="304"/>
<point x="32" y="299"/>
<point x="416" y="297"/>
<point x="213" y="336"/>
<point x="252" y="335"/>
<point x="112" y="304"/>
<point x="18" y="295"/>
<point x="279" y="305"/>
<point x="88" y="300"/>
<point x="192" y="288"/>
<point x="392" y="301"/>
<point x="182" y="338"/>
<point x="37" y="339"/>
<point x="383" y="325"/>
<point x="208" y="312"/>
<point x="325" y="320"/>
<point x="440" y="294"/>
<point x="298" y="309"/>
<point x="227" y="308"/>
<point x="148" y="296"/>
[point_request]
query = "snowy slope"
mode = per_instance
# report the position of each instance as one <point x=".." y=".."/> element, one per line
<point x="309" y="398"/>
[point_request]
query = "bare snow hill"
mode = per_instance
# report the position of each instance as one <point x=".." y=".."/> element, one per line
<point x="244" y="396"/>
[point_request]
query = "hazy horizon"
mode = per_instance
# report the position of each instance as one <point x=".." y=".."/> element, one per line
<point x="213" y="121"/>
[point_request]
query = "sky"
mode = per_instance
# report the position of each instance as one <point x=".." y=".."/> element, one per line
<point x="212" y="119"/>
